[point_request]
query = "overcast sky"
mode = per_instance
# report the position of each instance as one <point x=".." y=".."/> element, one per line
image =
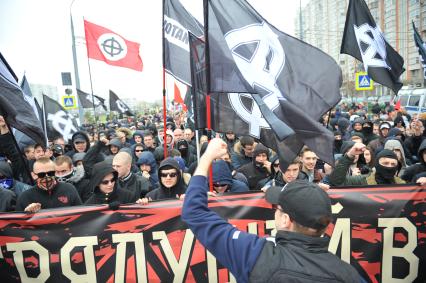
<point x="36" y="39"/>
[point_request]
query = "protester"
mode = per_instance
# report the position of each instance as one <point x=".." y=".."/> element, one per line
<point x="223" y="181"/>
<point x="299" y="252"/>
<point x="105" y="188"/>
<point x="171" y="182"/>
<point x="136" y="184"/>
<point x="48" y="192"/>
<point x="66" y="172"/>
<point x="243" y="152"/>
<point x="258" y="169"/>
<point x="148" y="168"/>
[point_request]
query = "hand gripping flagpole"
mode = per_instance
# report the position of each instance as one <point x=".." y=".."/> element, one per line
<point x="164" y="89"/>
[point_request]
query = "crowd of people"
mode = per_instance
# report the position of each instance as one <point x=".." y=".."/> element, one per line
<point x="123" y="161"/>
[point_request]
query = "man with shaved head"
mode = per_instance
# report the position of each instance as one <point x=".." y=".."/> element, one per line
<point x="138" y="185"/>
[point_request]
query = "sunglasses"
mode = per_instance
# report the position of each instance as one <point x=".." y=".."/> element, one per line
<point x="44" y="174"/>
<point x="171" y="175"/>
<point x="219" y="185"/>
<point x="139" y="150"/>
<point x="276" y="165"/>
<point x="106" y="182"/>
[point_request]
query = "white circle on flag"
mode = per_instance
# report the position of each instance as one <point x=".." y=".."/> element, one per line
<point x="112" y="46"/>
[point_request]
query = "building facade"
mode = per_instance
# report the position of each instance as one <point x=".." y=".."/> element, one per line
<point x="321" y="24"/>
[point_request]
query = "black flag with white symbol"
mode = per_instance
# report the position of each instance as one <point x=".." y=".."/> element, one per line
<point x="364" y="40"/>
<point x="197" y="102"/>
<point x="16" y="111"/>
<point x="58" y="121"/>
<point x="421" y="46"/>
<point x="87" y="102"/>
<point x="177" y="23"/>
<point x="116" y="104"/>
<point x="296" y="81"/>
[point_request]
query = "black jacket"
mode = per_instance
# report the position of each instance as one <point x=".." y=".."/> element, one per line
<point x="136" y="184"/>
<point x="299" y="258"/>
<point x="166" y="193"/>
<point x="62" y="195"/>
<point x="254" y="174"/>
<point x="100" y="170"/>
<point x="411" y="171"/>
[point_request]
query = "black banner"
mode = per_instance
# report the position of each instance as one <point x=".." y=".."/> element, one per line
<point x="381" y="231"/>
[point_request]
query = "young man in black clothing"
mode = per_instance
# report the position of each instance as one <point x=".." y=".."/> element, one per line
<point x="299" y="252"/>
<point x="48" y="192"/>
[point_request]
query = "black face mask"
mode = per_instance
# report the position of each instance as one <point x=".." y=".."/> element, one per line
<point x="258" y="164"/>
<point x="338" y="144"/>
<point x="385" y="174"/>
<point x="183" y="151"/>
<point x="367" y="130"/>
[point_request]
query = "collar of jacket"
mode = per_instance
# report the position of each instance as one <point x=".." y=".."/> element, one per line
<point x="312" y="244"/>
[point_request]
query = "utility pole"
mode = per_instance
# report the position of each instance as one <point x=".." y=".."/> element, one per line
<point x="300" y="20"/>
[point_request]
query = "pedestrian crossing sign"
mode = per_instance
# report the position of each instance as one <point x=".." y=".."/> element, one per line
<point x="69" y="102"/>
<point x="363" y="81"/>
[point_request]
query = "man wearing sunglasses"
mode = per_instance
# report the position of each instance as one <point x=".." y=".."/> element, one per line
<point x="299" y="252"/>
<point x="48" y="192"/>
<point x="170" y="181"/>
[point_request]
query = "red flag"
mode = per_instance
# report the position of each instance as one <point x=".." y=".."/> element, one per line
<point x="106" y="45"/>
<point x="178" y="97"/>
<point x="398" y="105"/>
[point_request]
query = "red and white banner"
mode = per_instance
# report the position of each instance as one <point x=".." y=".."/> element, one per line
<point x="380" y="231"/>
<point x="110" y="47"/>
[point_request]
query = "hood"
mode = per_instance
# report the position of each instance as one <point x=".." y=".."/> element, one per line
<point x="170" y="162"/>
<point x="181" y="162"/>
<point x="393" y="132"/>
<point x="183" y="144"/>
<point x="5" y="169"/>
<point x="396" y="144"/>
<point x="99" y="171"/>
<point x="260" y="148"/>
<point x="80" y="134"/>
<point x="221" y="172"/>
<point x="138" y="133"/>
<point x="133" y="148"/>
<point x="343" y="124"/>
<point x="147" y="157"/>
<point x="78" y="174"/>
<point x="116" y="142"/>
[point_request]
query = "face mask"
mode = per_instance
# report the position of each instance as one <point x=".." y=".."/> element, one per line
<point x="387" y="173"/>
<point x="65" y="178"/>
<point x="183" y="151"/>
<point x="6" y="184"/>
<point x="46" y="183"/>
<point x="258" y="164"/>
<point x="338" y="144"/>
<point x="367" y="130"/>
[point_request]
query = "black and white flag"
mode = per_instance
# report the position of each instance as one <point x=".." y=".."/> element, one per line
<point x="297" y="82"/>
<point x="87" y="102"/>
<point x="421" y="46"/>
<point x="196" y="102"/>
<point x="363" y="39"/>
<point x="116" y="104"/>
<point x="58" y="121"/>
<point x="177" y="23"/>
<point x="16" y="110"/>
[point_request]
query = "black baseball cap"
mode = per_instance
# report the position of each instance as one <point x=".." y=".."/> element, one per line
<point x="305" y="202"/>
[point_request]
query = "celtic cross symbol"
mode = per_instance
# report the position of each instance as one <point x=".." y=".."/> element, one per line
<point x="112" y="47"/>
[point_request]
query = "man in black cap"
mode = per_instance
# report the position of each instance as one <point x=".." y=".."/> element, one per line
<point x="258" y="169"/>
<point x="386" y="168"/>
<point x="299" y="253"/>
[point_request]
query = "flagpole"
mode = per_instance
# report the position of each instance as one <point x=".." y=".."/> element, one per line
<point x="164" y="88"/>
<point x="207" y="59"/>
<point x="44" y="119"/>
<point x="74" y="56"/>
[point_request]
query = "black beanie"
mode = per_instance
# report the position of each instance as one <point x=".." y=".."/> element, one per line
<point x="260" y="148"/>
<point x="386" y="153"/>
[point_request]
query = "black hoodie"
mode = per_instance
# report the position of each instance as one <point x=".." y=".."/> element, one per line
<point x="166" y="193"/>
<point x="74" y="151"/>
<point x="100" y="170"/>
<point x="411" y="172"/>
